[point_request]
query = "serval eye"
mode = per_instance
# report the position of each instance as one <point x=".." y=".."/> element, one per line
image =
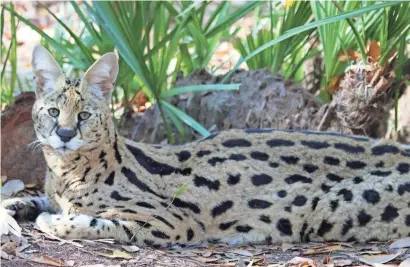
<point x="83" y="115"/>
<point x="53" y="112"/>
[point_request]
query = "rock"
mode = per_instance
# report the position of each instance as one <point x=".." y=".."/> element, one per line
<point x="18" y="160"/>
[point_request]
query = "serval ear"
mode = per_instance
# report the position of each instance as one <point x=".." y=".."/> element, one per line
<point x="100" y="77"/>
<point x="46" y="71"/>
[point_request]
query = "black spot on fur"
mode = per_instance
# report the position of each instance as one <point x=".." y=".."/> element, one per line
<point x="150" y="165"/>
<point x="334" y="204"/>
<point x="117" y="152"/>
<point x="403" y="188"/>
<point x="265" y="219"/>
<point x="115" y="222"/>
<point x="310" y="168"/>
<point x="284" y="226"/>
<point x="221" y="208"/>
<point x="389" y="188"/>
<point x="203" y="153"/>
<point x="145" y="205"/>
<point x="357" y="180"/>
<point x="282" y="193"/>
<point x="355" y="164"/>
<point x="380" y="164"/>
<point x="184" y="172"/>
<point x="159" y="234"/>
<point x="347" y="194"/>
<point x="213" y="161"/>
<point x="237" y="157"/>
<point x="290" y="159"/>
<point x="407" y="220"/>
<point x="261" y="179"/>
<point x="325" y="188"/>
<point x="178" y="217"/>
<point x="390" y="213"/>
<point x="259" y="204"/>
<point x="324" y="228"/>
<point x="129" y="211"/>
<point x="386" y="149"/>
<point x="237" y="143"/>
<point x="350" y="148"/>
<point x="403" y="168"/>
<point x="298" y="178"/>
<point x="227" y="225"/>
<point x="315" y="144"/>
<point x="233" y="179"/>
<point x="110" y="179"/>
<point x="159" y="218"/>
<point x="93" y="222"/>
<point x="186" y="205"/>
<point x="371" y="196"/>
<point x="363" y="218"/>
<point x="273" y="164"/>
<point x="259" y="156"/>
<point x="303" y="231"/>
<point x="314" y="203"/>
<point x="333" y="177"/>
<point x="200" y="181"/>
<point x="132" y="178"/>
<point x="87" y="170"/>
<point x="115" y="195"/>
<point x="243" y="228"/>
<point x="299" y="201"/>
<point x="183" y="156"/>
<point x="190" y="234"/>
<point x="279" y="143"/>
<point x="347" y="225"/>
<point x="331" y="161"/>
<point x="381" y="173"/>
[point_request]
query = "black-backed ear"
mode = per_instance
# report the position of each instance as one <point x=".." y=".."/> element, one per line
<point x="100" y="77"/>
<point x="46" y="71"/>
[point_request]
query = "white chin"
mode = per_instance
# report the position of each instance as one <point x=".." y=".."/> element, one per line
<point x="64" y="151"/>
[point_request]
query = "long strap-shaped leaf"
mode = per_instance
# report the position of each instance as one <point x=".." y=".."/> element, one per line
<point x="309" y="26"/>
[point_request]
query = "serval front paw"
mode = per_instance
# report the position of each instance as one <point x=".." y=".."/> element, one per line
<point x="21" y="208"/>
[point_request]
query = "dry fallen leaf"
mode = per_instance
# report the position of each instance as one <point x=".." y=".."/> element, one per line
<point x="400" y="243"/>
<point x="343" y="262"/>
<point x="131" y="248"/>
<point x="380" y="258"/>
<point x="29" y="186"/>
<point x="116" y="254"/>
<point x="405" y="263"/>
<point x="242" y="252"/>
<point x="299" y="261"/>
<point x="69" y="263"/>
<point x="8" y="224"/>
<point x="12" y="187"/>
<point x="285" y="247"/>
<point x="205" y="260"/>
<point x="325" y="249"/>
<point x="10" y="247"/>
<point x="44" y="260"/>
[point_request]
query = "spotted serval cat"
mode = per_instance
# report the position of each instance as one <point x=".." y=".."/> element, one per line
<point x="240" y="185"/>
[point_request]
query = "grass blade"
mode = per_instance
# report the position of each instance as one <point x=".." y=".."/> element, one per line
<point x="196" y="88"/>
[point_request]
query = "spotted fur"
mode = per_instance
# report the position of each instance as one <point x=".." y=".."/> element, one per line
<point x="254" y="185"/>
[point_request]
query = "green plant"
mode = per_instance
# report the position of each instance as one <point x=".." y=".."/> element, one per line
<point x="9" y="84"/>
<point x="325" y="21"/>
<point x="149" y="49"/>
<point x="284" y="56"/>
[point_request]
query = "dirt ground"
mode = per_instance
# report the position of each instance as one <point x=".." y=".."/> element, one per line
<point x="35" y="248"/>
